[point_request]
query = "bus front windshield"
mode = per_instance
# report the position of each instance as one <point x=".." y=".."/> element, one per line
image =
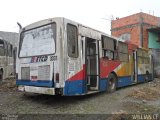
<point x="38" y="41"/>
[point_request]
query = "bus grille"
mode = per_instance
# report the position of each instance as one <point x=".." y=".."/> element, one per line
<point x="44" y="72"/>
<point x="25" y="72"/>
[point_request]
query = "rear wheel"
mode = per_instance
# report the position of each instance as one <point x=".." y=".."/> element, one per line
<point x="147" y="76"/>
<point x="112" y="83"/>
<point x="1" y="74"/>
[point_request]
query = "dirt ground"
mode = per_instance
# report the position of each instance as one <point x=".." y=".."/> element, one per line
<point x="137" y="99"/>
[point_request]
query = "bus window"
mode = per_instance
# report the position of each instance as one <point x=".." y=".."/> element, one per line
<point x="38" y="41"/>
<point x="108" y="45"/>
<point x="109" y="54"/>
<point x="140" y="56"/>
<point x="2" y="51"/>
<point x="143" y="56"/>
<point x="123" y="52"/>
<point x="72" y="40"/>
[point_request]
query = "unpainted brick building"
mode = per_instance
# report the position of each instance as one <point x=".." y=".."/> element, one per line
<point x="134" y="28"/>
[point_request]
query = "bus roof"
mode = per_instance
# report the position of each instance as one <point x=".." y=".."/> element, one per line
<point x="50" y="20"/>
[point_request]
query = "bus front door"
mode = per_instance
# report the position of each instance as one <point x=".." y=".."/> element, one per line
<point x="92" y="63"/>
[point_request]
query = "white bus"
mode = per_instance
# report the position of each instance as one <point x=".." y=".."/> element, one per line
<point x="6" y="60"/>
<point x="59" y="56"/>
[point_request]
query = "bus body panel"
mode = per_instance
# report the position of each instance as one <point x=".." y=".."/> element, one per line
<point x="68" y="73"/>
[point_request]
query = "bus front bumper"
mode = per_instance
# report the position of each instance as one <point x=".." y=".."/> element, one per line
<point x="40" y="90"/>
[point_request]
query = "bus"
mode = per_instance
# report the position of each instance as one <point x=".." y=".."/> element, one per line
<point x="58" y="56"/>
<point x="6" y="60"/>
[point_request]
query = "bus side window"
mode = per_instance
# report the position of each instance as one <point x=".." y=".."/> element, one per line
<point x="108" y="54"/>
<point x="72" y="40"/>
<point x="143" y="57"/>
<point x="123" y="52"/>
<point x="108" y="47"/>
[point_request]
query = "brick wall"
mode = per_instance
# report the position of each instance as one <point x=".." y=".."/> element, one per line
<point x="145" y="36"/>
<point x="149" y="19"/>
<point x="134" y="38"/>
<point x="125" y="21"/>
<point x="136" y="25"/>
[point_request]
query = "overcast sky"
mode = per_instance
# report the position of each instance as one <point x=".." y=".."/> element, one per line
<point x="93" y="13"/>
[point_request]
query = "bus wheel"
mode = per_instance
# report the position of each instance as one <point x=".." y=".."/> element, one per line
<point x="147" y="76"/>
<point x="1" y="74"/>
<point x="0" y="77"/>
<point x="112" y="83"/>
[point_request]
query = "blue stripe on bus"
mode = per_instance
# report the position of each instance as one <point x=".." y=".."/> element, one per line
<point x="124" y="81"/>
<point x="141" y="78"/>
<point x="39" y="83"/>
<point x="79" y="87"/>
<point x="76" y="87"/>
<point x="103" y="84"/>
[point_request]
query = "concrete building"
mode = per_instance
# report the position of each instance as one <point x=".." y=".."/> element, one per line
<point x="11" y="37"/>
<point x="141" y="29"/>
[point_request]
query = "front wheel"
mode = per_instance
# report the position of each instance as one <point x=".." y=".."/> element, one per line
<point x="112" y="83"/>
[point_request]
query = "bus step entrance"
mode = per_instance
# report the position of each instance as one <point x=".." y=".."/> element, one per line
<point x="92" y="82"/>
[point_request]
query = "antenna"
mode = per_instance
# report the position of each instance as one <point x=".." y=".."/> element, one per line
<point x="109" y="17"/>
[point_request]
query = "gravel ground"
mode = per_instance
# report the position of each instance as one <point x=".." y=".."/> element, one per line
<point x="137" y="99"/>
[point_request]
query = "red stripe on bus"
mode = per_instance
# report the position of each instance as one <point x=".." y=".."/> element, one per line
<point x="79" y="76"/>
<point x="106" y="67"/>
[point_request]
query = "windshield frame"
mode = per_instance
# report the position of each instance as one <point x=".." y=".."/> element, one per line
<point x="21" y="40"/>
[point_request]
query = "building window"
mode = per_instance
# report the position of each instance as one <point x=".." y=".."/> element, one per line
<point x="125" y="37"/>
<point x="72" y="40"/>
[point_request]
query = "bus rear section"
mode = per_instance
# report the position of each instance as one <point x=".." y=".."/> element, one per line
<point x="37" y="67"/>
<point x="52" y="59"/>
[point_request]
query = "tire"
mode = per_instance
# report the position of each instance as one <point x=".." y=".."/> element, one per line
<point x="112" y="83"/>
<point x="147" y="76"/>
<point x="1" y="75"/>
